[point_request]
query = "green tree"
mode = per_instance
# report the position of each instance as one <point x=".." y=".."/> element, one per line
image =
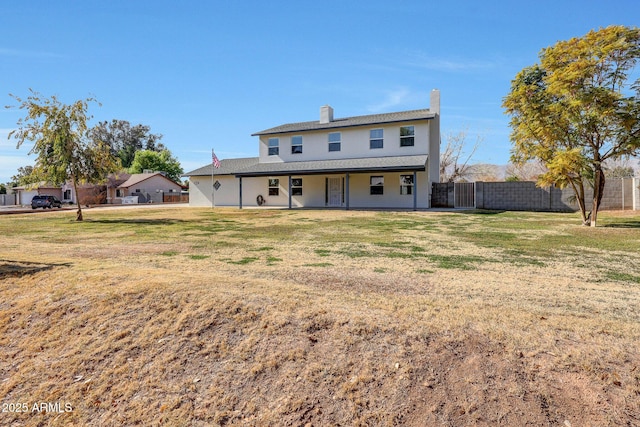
<point x="64" y="150"/>
<point x="619" y="168"/>
<point x="576" y="109"/>
<point x="125" y="140"/>
<point x="24" y="175"/>
<point x="620" y="172"/>
<point x="161" y="161"/>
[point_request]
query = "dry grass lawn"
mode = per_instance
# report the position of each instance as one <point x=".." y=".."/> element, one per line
<point x="195" y="317"/>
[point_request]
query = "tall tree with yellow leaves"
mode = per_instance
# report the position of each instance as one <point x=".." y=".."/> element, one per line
<point x="576" y="108"/>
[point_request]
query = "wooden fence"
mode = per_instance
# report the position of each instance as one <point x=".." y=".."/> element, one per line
<point x="175" y="198"/>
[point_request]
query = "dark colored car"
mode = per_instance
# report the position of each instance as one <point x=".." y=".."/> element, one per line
<point x="45" y="201"/>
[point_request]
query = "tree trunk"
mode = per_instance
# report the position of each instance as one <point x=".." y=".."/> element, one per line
<point x="75" y="188"/>
<point x="578" y="190"/>
<point x="598" y="191"/>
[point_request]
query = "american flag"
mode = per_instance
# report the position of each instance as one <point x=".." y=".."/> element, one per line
<point x="214" y="160"/>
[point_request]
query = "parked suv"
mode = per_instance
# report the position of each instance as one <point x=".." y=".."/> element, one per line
<point x="45" y="201"/>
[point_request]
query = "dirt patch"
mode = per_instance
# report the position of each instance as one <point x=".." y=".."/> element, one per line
<point x="229" y="326"/>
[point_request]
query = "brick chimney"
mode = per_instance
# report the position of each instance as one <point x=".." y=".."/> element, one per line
<point x="434" y="107"/>
<point x="326" y="114"/>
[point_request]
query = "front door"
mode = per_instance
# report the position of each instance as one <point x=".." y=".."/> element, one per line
<point x="335" y="191"/>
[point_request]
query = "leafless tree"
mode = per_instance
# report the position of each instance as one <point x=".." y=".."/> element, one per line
<point x="454" y="159"/>
<point x="529" y="171"/>
<point x="483" y="172"/>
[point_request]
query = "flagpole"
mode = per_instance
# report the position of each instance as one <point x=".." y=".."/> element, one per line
<point x="213" y="184"/>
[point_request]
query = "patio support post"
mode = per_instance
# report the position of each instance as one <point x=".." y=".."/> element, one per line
<point x="346" y="191"/>
<point x="415" y="190"/>
<point x="289" y="191"/>
<point x="240" y="195"/>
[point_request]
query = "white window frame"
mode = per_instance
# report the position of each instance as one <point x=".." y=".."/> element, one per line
<point x="296" y="144"/>
<point x="406" y="185"/>
<point x="274" y="186"/>
<point x="335" y="143"/>
<point x="273" y="146"/>
<point x="296" y="186"/>
<point x="378" y="139"/>
<point x="375" y="182"/>
<point x="406" y="137"/>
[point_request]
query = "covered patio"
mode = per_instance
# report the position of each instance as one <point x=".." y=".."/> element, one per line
<point x="338" y="187"/>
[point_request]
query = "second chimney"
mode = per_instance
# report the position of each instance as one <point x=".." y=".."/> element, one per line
<point x="326" y="114"/>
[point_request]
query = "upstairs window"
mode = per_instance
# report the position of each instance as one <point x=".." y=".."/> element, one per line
<point x="376" y="185"/>
<point x="296" y="186"/>
<point x="274" y="146"/>
<point x="296" y="144"/>
<point x="376" y="138"/>
<point x="406" y="136"/>
<point x="406" y="184"/>
<point x="274" y="186"/>
<point x="335" y="141"/>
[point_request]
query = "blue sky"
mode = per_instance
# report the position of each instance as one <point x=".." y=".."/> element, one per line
<point x="208" y="74"/>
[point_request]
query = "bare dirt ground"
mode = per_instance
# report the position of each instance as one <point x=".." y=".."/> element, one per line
<point x="189" y="317"/>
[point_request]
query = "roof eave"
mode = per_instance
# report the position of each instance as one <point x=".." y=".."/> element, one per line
<point x="151" y="175"/>
<point x="336" y="125"/>
<point x="249" y="174"/>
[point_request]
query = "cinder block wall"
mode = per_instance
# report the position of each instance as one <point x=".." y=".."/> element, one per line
<point x="525" y="196"/>
<point x="442" y="195"/>
<point x="519" y="196"/>
<point x="7" y="199"/>
<point x="618" y="194"/>
<point x="612" y="197"/>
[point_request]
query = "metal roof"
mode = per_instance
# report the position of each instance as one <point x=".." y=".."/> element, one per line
<point x="227" y="167"/>
<point x="315" y="167"/>
<point x="372" y="119"/>
<point x="371" y="164"/>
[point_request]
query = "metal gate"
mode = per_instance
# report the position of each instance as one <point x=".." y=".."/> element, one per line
<point x="464" y="195"/>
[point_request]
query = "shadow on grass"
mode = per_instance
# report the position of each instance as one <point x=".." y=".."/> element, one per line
<point x="10" y="268"/>
<point x="625" y="224"/>
<point x="482" y="212"/>
<point x="135" y="221"/>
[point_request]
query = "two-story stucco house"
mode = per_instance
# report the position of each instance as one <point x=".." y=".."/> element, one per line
<point x="373" y="161"/>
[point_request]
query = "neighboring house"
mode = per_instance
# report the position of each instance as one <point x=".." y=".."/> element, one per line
<point x="148" y="187"/>
<point x="26" y="193"/>
<point x="374" y="161"/>
<point x="113" y="182"/>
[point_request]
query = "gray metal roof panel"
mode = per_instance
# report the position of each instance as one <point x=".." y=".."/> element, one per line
<point x="372" y="119"/>
<point x="395" y="163"/>
<point x="227" y="167"/>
